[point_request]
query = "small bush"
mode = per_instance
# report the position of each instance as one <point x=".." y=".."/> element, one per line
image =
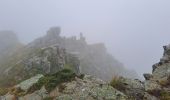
<point x="165" y="95"/>
<point x="61" y="87"/>
<point x="3" y="91"/>
<point x="17" y="91"/>
<point x="155" y="92"/>
<point x="51" y="81"/>
<point x="48" y="98"/>
<point x="81" y="76"/>
<point x="117" y="83"/>
<point x="62" y="76"/>
<point x="165" y="82"/>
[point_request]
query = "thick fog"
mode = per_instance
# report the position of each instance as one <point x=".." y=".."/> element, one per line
<point x="134" y="31"/>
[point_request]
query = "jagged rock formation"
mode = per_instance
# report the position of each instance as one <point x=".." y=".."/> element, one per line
<point x="66" y="85"/>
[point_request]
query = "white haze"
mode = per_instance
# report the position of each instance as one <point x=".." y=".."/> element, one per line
<point x="133" y="30"/>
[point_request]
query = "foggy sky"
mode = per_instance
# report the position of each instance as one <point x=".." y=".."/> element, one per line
<point x="133" y="30"/>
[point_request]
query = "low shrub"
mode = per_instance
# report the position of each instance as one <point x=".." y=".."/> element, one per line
<point x="48" y="98"/>
<point x="165" y="82"/>
<point x="17" y="91"/>
<point x="51" y="81"/>
<point x="3" y="91"/>
<point x="155" y="92"/>
<point x="117" y="83"/>
<point x="165" y="95"/>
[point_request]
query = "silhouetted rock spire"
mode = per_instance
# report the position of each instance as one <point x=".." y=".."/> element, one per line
<point x="82" y="38"/>
<point x="54" y="32"/>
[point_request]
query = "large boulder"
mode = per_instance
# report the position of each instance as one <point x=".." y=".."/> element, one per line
<point x="25" y="85"/>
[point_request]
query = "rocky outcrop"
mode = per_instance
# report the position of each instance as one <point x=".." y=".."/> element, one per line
<point x="158" y="83"/>
<point x="155" y="87"/>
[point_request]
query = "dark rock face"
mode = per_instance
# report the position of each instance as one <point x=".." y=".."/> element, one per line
<point x="147" y="76"/>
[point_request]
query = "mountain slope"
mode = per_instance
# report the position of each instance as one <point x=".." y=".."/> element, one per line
<point x="9" y="44"/>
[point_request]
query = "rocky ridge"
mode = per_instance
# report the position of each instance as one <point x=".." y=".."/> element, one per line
<point x="155" y="87"/>
<point x="55" y="73"/>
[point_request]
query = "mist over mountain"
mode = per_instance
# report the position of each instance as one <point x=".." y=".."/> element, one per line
<point x="7" y="39"/>
<point x="9" y="42"/>
<point x="99" y="52"/>
<point x="94" y="58"/>
<point x="23" y="62"/>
